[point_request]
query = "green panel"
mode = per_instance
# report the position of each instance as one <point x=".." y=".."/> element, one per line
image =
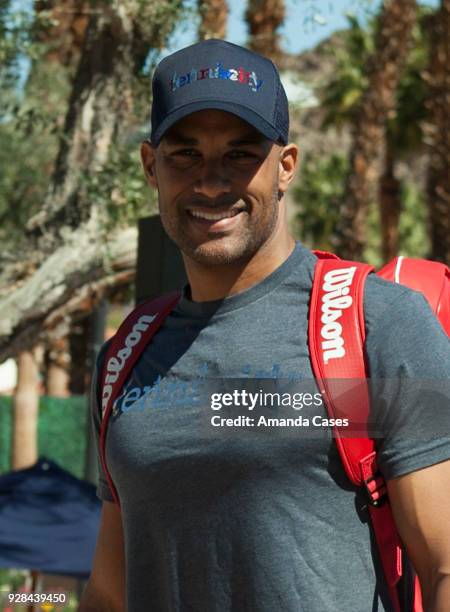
<point x="5" y="433"/>
<point x="61" y="432"/>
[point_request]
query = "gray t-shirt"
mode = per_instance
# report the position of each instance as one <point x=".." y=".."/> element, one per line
<point x="256" y="520"/>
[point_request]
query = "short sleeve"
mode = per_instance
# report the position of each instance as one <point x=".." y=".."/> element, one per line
<point x="103" y="490"/>
<point x="408" y="355"/>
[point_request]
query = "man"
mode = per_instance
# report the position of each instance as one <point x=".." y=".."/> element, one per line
<point x="254" y="520"/>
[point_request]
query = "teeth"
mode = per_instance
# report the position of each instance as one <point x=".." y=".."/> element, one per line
<point x="212" y="216"/>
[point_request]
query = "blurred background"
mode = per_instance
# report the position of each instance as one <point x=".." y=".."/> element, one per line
<point x="368" y="84"/>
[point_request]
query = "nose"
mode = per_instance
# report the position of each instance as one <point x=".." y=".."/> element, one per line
<point x="213" y="180"/>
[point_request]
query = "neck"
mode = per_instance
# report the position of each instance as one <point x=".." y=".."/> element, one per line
<point x="216" y="282"/>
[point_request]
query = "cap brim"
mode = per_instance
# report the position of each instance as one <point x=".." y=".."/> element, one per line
<point x="240" y="111"/>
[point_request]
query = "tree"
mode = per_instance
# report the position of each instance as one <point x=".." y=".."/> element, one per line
<point x="61" y="27"/>
<point x="25" y="411"/>
<point x="438" y="179"/>
<point x="384" y="69"/>
<point x="71" y="248"/>
<point x="213" y="19"/>
<point x="402" y="136"/>
<point x="54" y="56"/>
<point x="264" y="19"/>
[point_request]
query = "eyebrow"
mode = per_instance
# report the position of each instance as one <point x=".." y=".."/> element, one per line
<point x="250" y="139"/>
<point x="173" y="137"/>
<point x="176" y="138"/>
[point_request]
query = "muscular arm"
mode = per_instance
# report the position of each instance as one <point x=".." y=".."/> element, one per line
<point x="421" y="507"/>
<point x="105" y="590"/>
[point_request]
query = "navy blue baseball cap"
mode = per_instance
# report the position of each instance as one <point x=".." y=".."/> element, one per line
<point x="216" y="74"/>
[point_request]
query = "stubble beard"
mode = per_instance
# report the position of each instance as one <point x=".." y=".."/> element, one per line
<point x="227" y="249"/>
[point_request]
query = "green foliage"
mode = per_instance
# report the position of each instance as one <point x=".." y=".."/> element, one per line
<point x="319" y="194"/>
<point x="321" y="189"/>
<point x="28" y="146"/>
<point x="120" y="190"/>
<point x="61" y="432"/>
<point x="14" y="580"/>
<point x="414" y="238"/>
<point x="404" y="129"/>
<point x="11" y="581"/>
<point x="340" y="97"/>
<point x="372" y="247"/>
<point x="31" y="120"/>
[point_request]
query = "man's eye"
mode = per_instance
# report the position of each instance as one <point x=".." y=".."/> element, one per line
<point x="186" y="153"/>
<point x="242" y="154"/>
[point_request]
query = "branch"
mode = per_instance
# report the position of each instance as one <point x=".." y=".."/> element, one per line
<point x="82" y="266"/>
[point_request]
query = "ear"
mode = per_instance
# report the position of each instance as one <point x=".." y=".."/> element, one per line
<point x="288" y="165"/>
<point x="148" y="163"/>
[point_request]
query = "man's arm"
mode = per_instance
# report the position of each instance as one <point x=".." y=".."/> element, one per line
<point x="421" y="506"/>
<point x="105" y="590"/>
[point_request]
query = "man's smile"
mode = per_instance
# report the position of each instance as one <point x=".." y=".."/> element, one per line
<point x="214" y="219"/>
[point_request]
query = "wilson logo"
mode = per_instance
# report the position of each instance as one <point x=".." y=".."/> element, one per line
<point x="335" y="298"/>
<point x="116" y="363"/>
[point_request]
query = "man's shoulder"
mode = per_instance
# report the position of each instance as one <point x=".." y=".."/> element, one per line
<point x="387" y="291"/>
<point x="384" y="300"/>
<point x="402" y="331"/>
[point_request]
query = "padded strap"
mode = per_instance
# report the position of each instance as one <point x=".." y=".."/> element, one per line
<point x="125" y="349"/>
<point x="336" y="343"/>
<point x="336" y="335"/>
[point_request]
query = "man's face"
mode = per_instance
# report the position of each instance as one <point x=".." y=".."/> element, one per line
<point x="218" y="184"/>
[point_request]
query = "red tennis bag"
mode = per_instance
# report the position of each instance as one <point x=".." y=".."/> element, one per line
<point x="336" y="343"/>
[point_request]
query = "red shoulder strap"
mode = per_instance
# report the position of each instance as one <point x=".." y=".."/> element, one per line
<point x="431" y="278"/>
<point x="125" y="349"/>
<point x="336" y="341"/>
<point x="336" y="335"/>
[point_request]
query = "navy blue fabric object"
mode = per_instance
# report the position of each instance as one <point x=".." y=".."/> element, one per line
<point x="49" y="520"/>
<point x="215" y="74"/>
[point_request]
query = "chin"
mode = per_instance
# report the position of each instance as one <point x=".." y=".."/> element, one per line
<point x="220" y="252"/>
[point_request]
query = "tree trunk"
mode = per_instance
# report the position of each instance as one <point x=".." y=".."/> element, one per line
<point x="213" y="19"/>
<point x="62" y="27"/>
<point x="57" y="367"/>
<point x="70" y="251"/>
<point x="25" y="412"/>
<point x="57" y="380"/>
<point x="99" y="105"/>
<point x="438" y="179"/>
<point x="377" y="104"/>
<point x="390" y="207"/>
<point x="79" y="370"/>
<point x="264" y="19"/>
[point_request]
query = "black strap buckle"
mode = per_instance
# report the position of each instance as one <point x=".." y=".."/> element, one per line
<point x="376" y="490"/>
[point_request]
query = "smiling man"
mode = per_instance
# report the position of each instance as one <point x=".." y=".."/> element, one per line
<point x="258" y="521"/>
<point x="227" y="213"/>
